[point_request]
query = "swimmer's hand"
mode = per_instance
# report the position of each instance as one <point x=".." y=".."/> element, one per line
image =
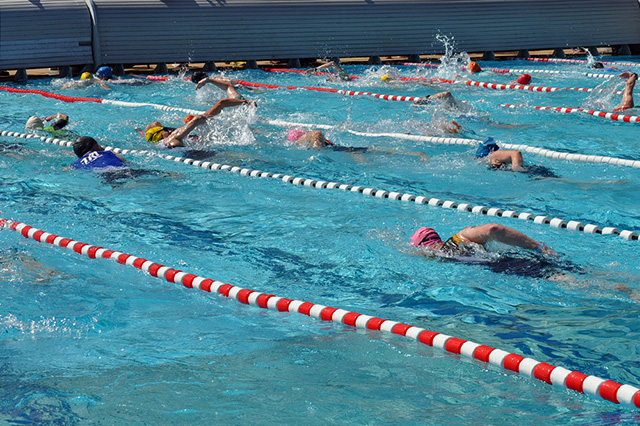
<point x="626" y="74"/>
<point x="202" y="83"/>
<point x="252" y="103"/>
<point x="545" y="249"/>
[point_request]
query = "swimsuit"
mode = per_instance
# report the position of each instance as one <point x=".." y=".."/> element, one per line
<point x="99" y="160"/>
<point x="349" y="148"/>
<point x="457" y="247"/>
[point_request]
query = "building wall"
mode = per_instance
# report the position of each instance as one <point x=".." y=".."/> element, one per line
<point x="60" y="32"/>
<point x="44" y="33"/>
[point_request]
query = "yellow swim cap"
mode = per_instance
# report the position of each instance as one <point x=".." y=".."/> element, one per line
<point x="154" y="134"/>
<point x="385" y="77"/>
<point x="86" y="76"/>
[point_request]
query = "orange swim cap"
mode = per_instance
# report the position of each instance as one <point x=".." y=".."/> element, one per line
<point x="188" y="118"/>
<point x="454" y="127"/>
<point x="524" y="79"/>
<point x="474" y="67"/>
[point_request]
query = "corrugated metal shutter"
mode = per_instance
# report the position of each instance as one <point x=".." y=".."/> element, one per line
<point x="149" y="31"/>
<point x="36" y="33"/>
<point x="44" y="33"/>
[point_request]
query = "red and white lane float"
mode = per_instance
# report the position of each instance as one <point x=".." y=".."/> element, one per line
<point x="615" y="116"/>
<point x="380" y="193"/>
<point x="574" y="380"/>
<point x="579" y="61"/>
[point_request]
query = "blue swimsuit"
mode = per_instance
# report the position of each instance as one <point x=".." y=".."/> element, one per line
<point x="99" y="160"/>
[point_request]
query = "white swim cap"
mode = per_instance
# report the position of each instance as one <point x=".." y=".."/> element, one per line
<point x="34" y="123"/>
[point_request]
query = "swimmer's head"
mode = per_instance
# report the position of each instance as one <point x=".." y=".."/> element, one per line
<point x="597" y="65"/>
<point x="386" y="77"/>
<point x="154" y="132"/>
<point x="34" y="123"/>
<point x="524" y="79"/>
<point x="86" y="76"/>
<point x="425" y="237"/>
<point x="198" y="76"/>
<point x="474" y="67"/>
<point x="85" y="144"/>
<point x="188" y="118"/>
<point x="104" y="73"/>
<point x="295" y="134"/>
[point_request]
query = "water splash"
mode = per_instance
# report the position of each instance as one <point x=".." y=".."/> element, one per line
<point x="451" y="62"/>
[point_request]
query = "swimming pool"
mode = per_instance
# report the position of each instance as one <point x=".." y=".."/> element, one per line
<point x="86" y="341"/>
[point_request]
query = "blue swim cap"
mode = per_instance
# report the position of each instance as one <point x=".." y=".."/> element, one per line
<point x="486" y="148"/>
<point x="104" y="72"/>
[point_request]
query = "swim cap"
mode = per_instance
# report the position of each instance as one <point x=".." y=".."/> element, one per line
<point x="486" y="148"/>
<point x="84" y="144"/>
<point x="154" y="134"/>
<point x="188" y="118"/>
<point x="86" y="76"/>
<point x="34" y="123"/>
<point x="524" y="79"/>
<point x="425" y="237"/>
<point x="385" y="77"/>
<point x="104" y="72"/>
<point x="295" y="134"/>
<point x="474" y="67"/>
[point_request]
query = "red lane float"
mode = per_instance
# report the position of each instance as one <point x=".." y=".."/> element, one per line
<point x="50" y="95"/>
<point x="559" y="376"/>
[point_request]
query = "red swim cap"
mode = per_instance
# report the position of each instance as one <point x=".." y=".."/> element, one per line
<point x="474" y="67"/>
<point x="524" y="79"/>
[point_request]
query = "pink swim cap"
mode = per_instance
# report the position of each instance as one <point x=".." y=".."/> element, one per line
<point x="295" y="134"/>
<point x="425" y="237"/>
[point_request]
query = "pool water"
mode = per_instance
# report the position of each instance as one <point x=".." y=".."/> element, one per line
<point x="91" y="341"/>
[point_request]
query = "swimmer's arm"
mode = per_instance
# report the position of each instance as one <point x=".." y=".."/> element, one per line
<point x="226" y="103"/>
<point x="507" y="156"/>
<point x="419" y="154"/>
<point x="321" y="67"/>
<point x="494" y="232"/>
<point x="176" y="137"/>
<point x="102" y="84"/>
<point x="64" y="117"/>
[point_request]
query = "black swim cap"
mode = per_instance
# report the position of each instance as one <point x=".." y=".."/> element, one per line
<point x="84" y="144"/>
<point x="196" y="77"/>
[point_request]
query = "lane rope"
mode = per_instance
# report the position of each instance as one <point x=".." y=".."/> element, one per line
<point x="610" y="115"/>
<point x="578" y="61"/>
<point x="607" y="390"/>
<point x="522" y="71"/>
<point x="437" y="140"/>
<point x="557" y="223"/>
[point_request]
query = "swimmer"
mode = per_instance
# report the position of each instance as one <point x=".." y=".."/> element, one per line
<point x="496" y="157"/>
<point x="37" y="123"/>
<point x="627" y="94"/>
<point x="226" y="84"/>
<point x="170" y="137"/>
<point x="54" y="129"/>
<point x="87" y="79"/>
<point x="315" y="139"/>
<point x="340" y="73"/>
<point x="92" y="156"/>
<point x="470" y="242"/>
<point x="445" y="99"/>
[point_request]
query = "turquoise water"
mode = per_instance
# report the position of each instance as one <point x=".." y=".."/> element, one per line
<point x="91" y="341"/>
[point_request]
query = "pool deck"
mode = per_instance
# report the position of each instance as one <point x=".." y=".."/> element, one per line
<point x="174" y="68"/>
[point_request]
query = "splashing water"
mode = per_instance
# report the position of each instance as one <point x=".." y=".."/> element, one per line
<point x="604" y="96"/>
<point x="451" y="62"/>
